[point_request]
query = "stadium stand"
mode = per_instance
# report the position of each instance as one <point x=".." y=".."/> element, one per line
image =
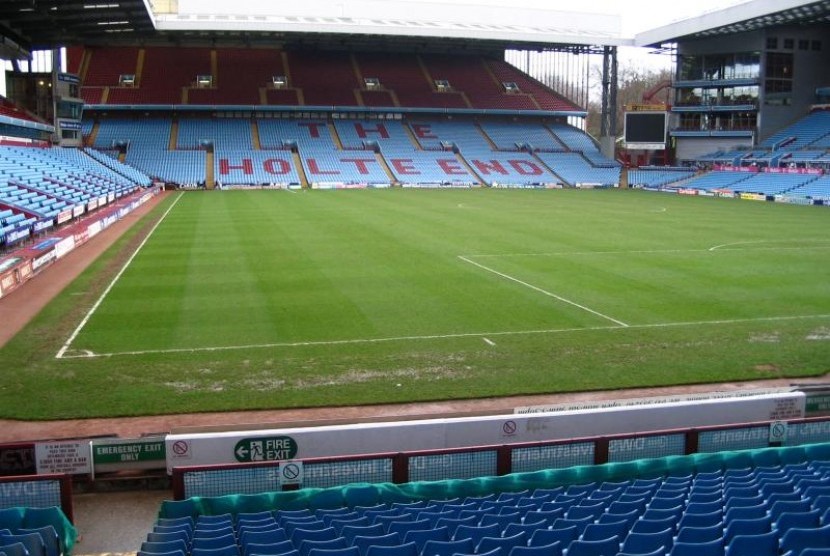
<point x="657" y="176"/>
<point x="317" y="78"/>
<point x="509" y="136"/>
<point x="758" y="502"/>
<point x="719" y="180"/>
<point x="804" y="132"/>
<point x="508" y="168"/>
<point x="575" y="169"/>
<point x="38" y="184"/>
<point x="327" y="147"/>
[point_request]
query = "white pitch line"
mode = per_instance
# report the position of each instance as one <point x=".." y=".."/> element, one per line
<point x="489" y="342"/>
<point x="722" y="247"/>
<point x="103" y="296"/>
<point x="823" y="244"/>
<point x="544" y="292"/>
<point x="90" y="355"/>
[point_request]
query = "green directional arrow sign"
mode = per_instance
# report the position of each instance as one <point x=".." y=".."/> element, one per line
<point x="269" y="448"/>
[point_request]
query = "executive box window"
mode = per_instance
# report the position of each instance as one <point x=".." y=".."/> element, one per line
<point x="779" y="65"/>
<point x="714" y="67"/>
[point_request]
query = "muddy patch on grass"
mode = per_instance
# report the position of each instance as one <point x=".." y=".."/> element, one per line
<point x="766" y="368"/>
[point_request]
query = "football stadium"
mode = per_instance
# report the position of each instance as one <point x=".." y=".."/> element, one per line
<point x="397" y="278"/>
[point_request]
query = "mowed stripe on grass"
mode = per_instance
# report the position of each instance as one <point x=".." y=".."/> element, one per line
<point x="256" y="268"/>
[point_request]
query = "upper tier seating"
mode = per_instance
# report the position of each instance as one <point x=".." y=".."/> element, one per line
<point x="545" y="98"/>
<point x="244" y="76"/>
<point x="107" y="65"/>
<point x="756" y="511"/>
<point x="804" y="132"/>
<point x="10" y="109"/>
<point x="403" y="75"/>
<point x="326" y="79"/>
<point x="241" y="73"/>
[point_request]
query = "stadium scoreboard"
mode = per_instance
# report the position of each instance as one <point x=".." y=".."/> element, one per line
<point x="646" y="127"/>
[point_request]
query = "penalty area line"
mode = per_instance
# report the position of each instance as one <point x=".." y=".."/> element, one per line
<point x="544" y="292"/>
<point x="482" y="335"/>
<point x="62" y="351"/>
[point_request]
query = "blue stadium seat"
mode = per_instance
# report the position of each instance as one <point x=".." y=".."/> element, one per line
<point x="402" y="527"/>
<point x="605" y="547"/>
<point x="348" y="551"/>
<point x="210" y="542"/>
<point x="448" y="548"/>
<point x="711" y="548"/>
<point x="51" y="541"/>
<point x="299" y="535"/>
<point x="178" y="534"/>
<point x="654" y="525"/>
<point x="349" y="532"/>
<point x="643" y="543"/>
<point x="421" y="536"/>
<point x="763" y="544"/>
<point x="307" y="545"/>
<point x="757" y="526"/>
<point x="406" y="549"/>
<point x="228" y="550"/>
<point x="796" y="539"/>
<point x="340" y="520"/>
<point x="165" y="546"/>
<point x="505" y="544"/>
<point x="364" y="542"/>
<point x="476" y="533"/>
<point x="564" y="536"/>
<point x="803" y="520"/>
<point x="266" y="549"/>
<point x="552" y="549"/>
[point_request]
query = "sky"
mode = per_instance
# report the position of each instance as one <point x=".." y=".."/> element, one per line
<point x="637" y="16"/>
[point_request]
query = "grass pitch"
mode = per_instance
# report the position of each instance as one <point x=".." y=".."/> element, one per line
<point x="263" y="299"/>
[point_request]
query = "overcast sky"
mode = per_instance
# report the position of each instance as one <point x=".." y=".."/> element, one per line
<point x="637" y="15"/>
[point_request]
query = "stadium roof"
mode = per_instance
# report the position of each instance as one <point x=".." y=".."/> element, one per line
<point x="28" y="25"/>
<point x="749" y="16"/>
<point x="478" y="21"/>
<point x="471" y="25"/>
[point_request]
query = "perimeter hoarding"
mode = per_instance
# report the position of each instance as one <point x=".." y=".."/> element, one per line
<point x="370" y="438"/>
